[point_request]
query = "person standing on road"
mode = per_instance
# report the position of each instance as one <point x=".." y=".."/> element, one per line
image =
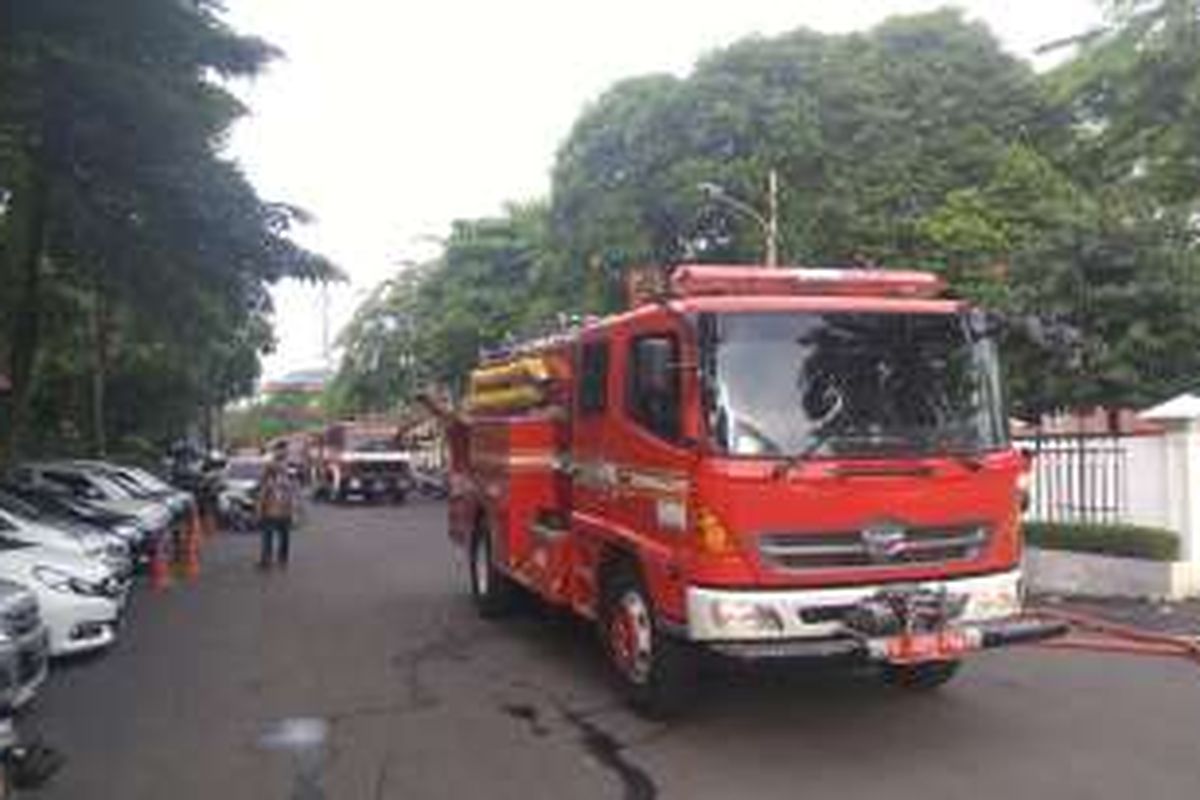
<point x="276" y="512"/>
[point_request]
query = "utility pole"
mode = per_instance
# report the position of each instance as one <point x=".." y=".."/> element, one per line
<point x="325" y="325"/>
<point x="769" y="224"/>
<point x="772" y="219"/>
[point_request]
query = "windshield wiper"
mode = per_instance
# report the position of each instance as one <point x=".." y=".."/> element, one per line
<point x="935" y="443"/>
<point x="924" y="444"/>
<point x="785" y="466"/>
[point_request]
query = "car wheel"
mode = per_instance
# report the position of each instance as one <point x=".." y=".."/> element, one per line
<point x="920" y="677"/>
<point x="654" y="671"/>
<point x="491" y="590"/>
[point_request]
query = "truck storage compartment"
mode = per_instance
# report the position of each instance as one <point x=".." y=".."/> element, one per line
<point x="519" y="464"/>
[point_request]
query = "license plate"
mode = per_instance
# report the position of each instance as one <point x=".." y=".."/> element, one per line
<point x="911" y="648"/>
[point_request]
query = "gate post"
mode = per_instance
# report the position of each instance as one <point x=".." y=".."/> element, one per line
<point x="1181" y="451"/>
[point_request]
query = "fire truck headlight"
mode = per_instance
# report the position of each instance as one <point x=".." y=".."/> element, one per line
<point x="994" y="602"/>
<point x="711" y="534"/>
<point x="745" y="616"/>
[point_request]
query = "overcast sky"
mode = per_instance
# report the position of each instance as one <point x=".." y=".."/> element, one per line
<point x="390" y="118"/>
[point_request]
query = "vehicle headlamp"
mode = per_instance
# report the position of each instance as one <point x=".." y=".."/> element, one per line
<point x="58" y="580"/>
<point x="745" y="615"/>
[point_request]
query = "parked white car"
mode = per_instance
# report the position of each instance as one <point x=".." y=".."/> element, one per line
<point x="80" y="600"/>
<point x="107" y="550"/>
<point x="68" y="512"/>
<point x="140" y="484"/>
<point x="96" y="489"/>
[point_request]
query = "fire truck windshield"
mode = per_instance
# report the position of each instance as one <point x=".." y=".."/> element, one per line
<point x="788" y="384"/>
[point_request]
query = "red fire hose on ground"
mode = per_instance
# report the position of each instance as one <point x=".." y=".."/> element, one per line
<point x="1097" y="634"/>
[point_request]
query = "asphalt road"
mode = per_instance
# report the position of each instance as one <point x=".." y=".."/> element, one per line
<point x="369" y="637"/>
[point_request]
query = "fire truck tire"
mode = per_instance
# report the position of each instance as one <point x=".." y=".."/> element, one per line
<point x="654" y="671"/>
<point x="920" y="677"/>
<point x="492" y="590"/>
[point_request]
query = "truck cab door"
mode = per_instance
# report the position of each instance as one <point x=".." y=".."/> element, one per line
<point x="653" y="441"/>
<point x="592" y="475"/>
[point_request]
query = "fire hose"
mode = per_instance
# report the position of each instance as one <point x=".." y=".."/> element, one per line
<point x="1097" y="634"/>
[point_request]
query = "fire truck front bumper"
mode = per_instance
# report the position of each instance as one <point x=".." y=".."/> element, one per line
<point x="896" y="623"/>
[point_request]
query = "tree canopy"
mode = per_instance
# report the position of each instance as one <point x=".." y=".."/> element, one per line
<point x="1065" y="200"/>
<point x="135" y="254"/>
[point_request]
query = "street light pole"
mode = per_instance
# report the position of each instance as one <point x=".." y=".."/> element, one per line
<point x="768" y="224"/>
<point x="772" y="219"/>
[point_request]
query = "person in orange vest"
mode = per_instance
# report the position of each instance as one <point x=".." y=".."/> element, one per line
<point x="276" y="511"/>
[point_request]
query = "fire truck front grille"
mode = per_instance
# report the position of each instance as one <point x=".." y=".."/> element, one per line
<point x="860" y="548"/>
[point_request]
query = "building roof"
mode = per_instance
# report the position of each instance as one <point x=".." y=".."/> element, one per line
<point x="1181" y="407"/>
<point x="301" y="380"/>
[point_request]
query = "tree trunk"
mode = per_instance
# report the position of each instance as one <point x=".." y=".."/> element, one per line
<point x="29" y="218"/>
<point x="100" y="341"/>
<point x="206" y="420"/>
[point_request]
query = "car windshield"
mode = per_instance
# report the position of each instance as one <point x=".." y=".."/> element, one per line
<point x="127" y="483"/>
<point x="848" y="384"/>
<point x="245" y="470"/>
<point x="110" y="488"/>
<point x="374" y="445"/>
<point x="148" y="479"/>
<point x="17" y="506"/>
<point x="11" y="544"/>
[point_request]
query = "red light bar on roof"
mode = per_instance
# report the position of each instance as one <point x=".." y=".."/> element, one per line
<point x="722" y="280"/>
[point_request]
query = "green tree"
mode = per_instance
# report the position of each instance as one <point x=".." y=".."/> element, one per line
<point x="1133" y="91"/>
<point x="1065" y="202"/>
<point x="112" y="119"/>
<point x="497" y="277"/>
<point x="869" y="133"/>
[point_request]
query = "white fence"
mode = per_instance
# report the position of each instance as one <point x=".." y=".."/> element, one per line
<point x="1142" y="479"/>
<point x="1098" y="478"/>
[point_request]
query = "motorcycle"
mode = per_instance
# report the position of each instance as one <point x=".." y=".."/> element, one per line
<point x="431" y="483"/>
<point x="237" y="511"/>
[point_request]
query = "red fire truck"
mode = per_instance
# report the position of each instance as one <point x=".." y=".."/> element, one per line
<point x="759" y="463"/>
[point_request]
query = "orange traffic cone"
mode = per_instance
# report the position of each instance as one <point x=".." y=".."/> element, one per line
<point x="160" y="571"/>
<point x="190" y="563"/>
<point x="191" y="557"/>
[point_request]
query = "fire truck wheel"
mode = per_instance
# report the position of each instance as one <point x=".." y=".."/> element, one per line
<point x="491" y="589"/>
<point x="920" y="676"/>
<point x="653" y="670"/>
